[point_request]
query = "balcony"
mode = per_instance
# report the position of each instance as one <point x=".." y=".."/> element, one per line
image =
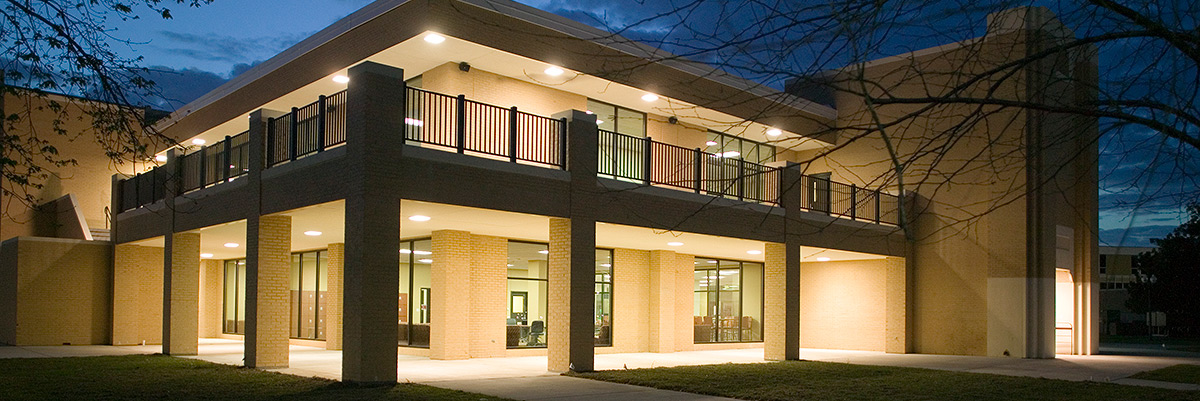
<point x="464" y="126"/>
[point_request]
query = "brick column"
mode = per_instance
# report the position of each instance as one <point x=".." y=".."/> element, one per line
<point x="685" y="274"/>
<point x="268" y="279"/>
<point x="449" y="326"/>
<point x="333" y="296"/>
<point x="663" y="270"/>
<point x="181" y="294"/>
<point x="898" y="327"/>
<point x="489" y="295"/>
<point x="137" y="295"/>
<point x="374" y="121"/>
<point x="631" y="312"/>
<point x="569" y="339"/>
<point x="211" y="286"/>
<point x="781" y="302"/>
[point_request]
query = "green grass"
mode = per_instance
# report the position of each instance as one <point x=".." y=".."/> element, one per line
<point x="166" y="378"/>
<point x="1177" y="374"/>
<point x="803" y="380"/>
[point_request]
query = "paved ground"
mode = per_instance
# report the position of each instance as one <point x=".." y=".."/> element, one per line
<point x="526" y="377"/>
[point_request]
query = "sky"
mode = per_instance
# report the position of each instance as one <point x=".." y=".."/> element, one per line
<point x="202" y="47"/>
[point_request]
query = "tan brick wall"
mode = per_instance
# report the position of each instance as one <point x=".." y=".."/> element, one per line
<point x="489" y="292"/>
<point x="335" y="267"/>
<point x="898" y="327"/>
<point x="684" y="327"/>
<point x="558" y="297"/>
<point x="662" y="301"/>
<point x="272" y="318"/>
<point x="185" y="295"/>
<point x="774" y="298"/>
<point x="843" y="305"/>
<point x="486" y="87"/>
<point x="62" y="291"/>
<point x="449" y="330"/>
<point x="211" y="301"/>
<point x="631" y="296"/>
<point x="137" y="295"/>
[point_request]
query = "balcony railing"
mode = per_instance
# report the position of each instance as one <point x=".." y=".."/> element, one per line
<point x="465" y="126"/>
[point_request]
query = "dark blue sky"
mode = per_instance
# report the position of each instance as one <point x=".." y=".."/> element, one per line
<point x="202" y="47"/>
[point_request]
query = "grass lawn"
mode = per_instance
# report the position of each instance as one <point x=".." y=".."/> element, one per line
<point x="795" y="380"/>
<point x="167" y="378"/>
<point x="1177" y="373"/>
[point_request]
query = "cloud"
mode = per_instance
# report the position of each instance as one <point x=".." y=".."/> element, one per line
<point x="223" y="48"/>
<point x="1134" y="236"/>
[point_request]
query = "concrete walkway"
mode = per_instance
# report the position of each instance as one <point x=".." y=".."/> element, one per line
<point x="526" y="377"/>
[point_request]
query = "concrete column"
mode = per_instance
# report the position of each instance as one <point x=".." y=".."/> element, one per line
<point x="211" y="286"/>
<point x="489" y="295"/>
<point x="569" y="341"/>
<point x="631" y="311"/>
<point x="181" y="294"/>
<point x="137" y="295"/>
<point x="663" y="269"/>
<point x="333" y="295"/>
<point x="374" y="121"/>
<point x="268" y="279"/>
<point x="898" y="328"/>
<point x="449" y="326"/>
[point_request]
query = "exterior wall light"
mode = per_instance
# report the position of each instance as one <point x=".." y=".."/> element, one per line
<point x="435" y="38"/>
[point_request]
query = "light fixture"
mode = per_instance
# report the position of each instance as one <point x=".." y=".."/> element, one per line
<point x="674" y="244"/>
<point x="426" y="260"/>
<point x="312" y="233"/>
<point x="732" y="153"/>
<point x="606" y="265"/>
<point x="553" y="71"/>
<point x="435" y="38"/>
<point x="599" y="121"/>
<point x="587" y="111"/>
<point x="774" y="132"/>
<point x="650" y="97"/>
<point x="206" y="255"/>
<point x="510" y="265"/>
<point x="341" y="79"/>
<point x="414" y="122"/>
<point x="198" y="142"/>
<point x="544" y="252"/>
<point x="160" y="158"/>
<point x="711" y="143"/>
<point x="823" y="259"/>
<point x="418" y="217"/>
<point x="231" y="245"/>
<point x="422" y="253"/>
<point x="405" y="250"/>
<point x="754" y="252"/>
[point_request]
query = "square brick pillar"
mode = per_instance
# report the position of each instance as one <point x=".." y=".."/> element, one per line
<point x="569" y="338"/>
<point x="181" y="294"/>
<point x="663" y="272"/>
<point x="489" y="295"/>
<point x="781" y="302"/>
<point x="371" y="275"/>
<point x="211" y="291"/>
<point x="898" y="337"/>
<point x="449" y="326"/>
<point x="334" y="267"/>
<point x="137" y="295"/>
<point x="631" y="311"/>
<point x="685" y="275"/>
<point x="268" y="280"/>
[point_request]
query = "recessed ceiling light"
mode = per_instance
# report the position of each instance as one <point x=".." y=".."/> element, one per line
<point x="674" y="244"/>
<point x="341" y="79"/>
<point x="774" y="132"/>
<point x="435" y="38"/>
<point x="544" y="252"/>
<point x="198" y="141"/>
<point x="650" y="97"/>
<point x="554" y="71"/>
<point x="754" y="252"/>
<point x="312" y="233"/>
<point x="711" y="143"/>
<point x="161" y="158"/>
<point x="206" y="255"/>
<point x="418" y="217"/>
<point x="425" y="260"/>
<point x="822" y="259"/>
<point x="231" y="245"/>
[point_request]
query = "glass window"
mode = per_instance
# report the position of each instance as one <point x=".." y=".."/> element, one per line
<point x="234" y="288"/>
<point x="415" y="301"/>
<point x="528" y="292"/>
<point x="729" y="146"/>
<point x="618" y="119"/>
<point x="727" y="301"/>
<point x="308" y="285"/>
<point x="604" y="280"/>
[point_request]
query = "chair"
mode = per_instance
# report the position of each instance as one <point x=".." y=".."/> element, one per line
<point x="536" y="330"/>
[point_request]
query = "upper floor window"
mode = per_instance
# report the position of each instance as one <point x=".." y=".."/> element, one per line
<point x="618" y="119"/>
<point x="732" y="147"/>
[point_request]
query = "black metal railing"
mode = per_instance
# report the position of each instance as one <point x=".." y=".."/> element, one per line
<point x="143" y="189"/>
<point x="307" y="130"/>
<point x="468" y="126"/>
<point x="220" y="162"/>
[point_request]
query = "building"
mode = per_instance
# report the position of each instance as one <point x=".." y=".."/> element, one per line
<point x="1116" y="273"/>
<point x="469" y="179"/>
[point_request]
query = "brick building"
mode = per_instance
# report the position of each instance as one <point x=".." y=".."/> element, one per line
<point x="469" y="179"/>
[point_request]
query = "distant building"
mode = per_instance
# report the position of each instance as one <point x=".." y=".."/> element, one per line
<point x="1116" y="272"/>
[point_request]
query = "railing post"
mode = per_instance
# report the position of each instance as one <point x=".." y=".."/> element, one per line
<point x="203" y="166"/>
<point x="562" y="141"/>
<point x="405" y="99"/>
<point x="292" y="133"/>
<point x="461" y="120"/>
<point x="698" y="155"/>
<point x="270" y="142"/>
<point x="228" y="158"/>
<point x="741" y="179"/>
<point x="512" y="134"/>
<point x="853" y="201"/>
<point x="648" y="159"/>
<point x="878" y="211"/>
<point x="321" y="108"/>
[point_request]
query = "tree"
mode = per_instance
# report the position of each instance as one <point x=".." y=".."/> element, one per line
<point x="66" y="47"/>
<point x="1170" y="277"/>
